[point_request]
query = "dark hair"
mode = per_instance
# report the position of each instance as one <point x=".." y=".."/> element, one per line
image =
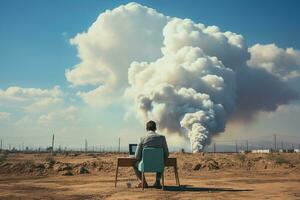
<point x="151" y="126"/>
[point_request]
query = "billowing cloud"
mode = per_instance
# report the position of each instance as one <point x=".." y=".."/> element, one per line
<point x="128" y="33"/>
<point x="31" y="102"/>
<point x="191" y="78"/>
<point x="101" y="96"/>
<point x="45" y="106"/>
<point x="284" y="63"/>
<point x="58" y="116"/>
<point x="221" y="86"/>
<point x="29" y="98"/>
<point x="228" y="47"/>
<point x="260" y="91"/>
<point x="4" y="115"/>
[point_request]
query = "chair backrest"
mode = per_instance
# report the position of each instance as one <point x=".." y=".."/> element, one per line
<point x="153" y="159"/>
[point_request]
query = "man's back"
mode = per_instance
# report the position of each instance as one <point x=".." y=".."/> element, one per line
<point x="152" y="140"/>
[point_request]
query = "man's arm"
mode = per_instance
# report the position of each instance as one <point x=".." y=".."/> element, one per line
<point x="138" y="151"/>
<point x="165" y="147"/>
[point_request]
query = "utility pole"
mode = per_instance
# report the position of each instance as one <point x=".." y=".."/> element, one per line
<point x="275" y="142"/>
<point x="214" y="147"/>
<point x="52" y="150"/>
<point x="86" y="145"/>
<point x="247" y="145"/>
<point x="119" y="146"/>
<point x="236" y="147"/>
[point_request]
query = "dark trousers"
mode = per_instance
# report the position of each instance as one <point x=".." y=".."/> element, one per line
<point x="139" y="174"/>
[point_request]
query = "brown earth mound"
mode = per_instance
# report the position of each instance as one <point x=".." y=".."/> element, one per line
<point x="188" y="163"/>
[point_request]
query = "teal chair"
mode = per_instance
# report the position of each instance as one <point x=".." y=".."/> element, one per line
<point x="152" y="161"/>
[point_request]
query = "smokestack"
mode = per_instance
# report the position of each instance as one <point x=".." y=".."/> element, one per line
<point x="214" y="147"/>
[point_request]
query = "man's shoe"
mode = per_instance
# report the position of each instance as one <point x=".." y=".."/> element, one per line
<point x="139" y="185"/>
<point x="157" y="185"/>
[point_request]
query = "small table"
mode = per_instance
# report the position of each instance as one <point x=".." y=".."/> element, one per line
<point x="130" y="162"/>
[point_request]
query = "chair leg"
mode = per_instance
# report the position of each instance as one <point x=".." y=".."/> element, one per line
<point x="175" y="173"/>
<point x="177" y="177"/>
<point x="143" y="180"/>
<point x="163" y="180"/>
<point x="116" y="178"/>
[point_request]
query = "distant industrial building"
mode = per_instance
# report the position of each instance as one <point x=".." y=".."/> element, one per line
<point x="273" y="151"/>
<point x="262" y="151"/>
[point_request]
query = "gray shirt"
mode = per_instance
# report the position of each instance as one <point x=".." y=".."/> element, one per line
<point x="152" y="140"/>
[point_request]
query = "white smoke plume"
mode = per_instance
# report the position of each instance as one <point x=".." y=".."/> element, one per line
<point x="190" y="78"/>
<point x="184" y="91"/>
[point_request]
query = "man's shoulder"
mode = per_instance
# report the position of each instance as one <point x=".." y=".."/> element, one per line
<point x="155" y="136"/>
<point x="160" y="135"/>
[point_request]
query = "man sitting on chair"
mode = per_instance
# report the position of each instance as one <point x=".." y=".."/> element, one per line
<point x="153" y="139"/>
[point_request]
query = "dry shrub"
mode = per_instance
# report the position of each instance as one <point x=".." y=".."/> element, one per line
<point x="92" y="155"/>
<point x="3" y="157"/>
<point x="241" y="157"/>
<point x="278" y="159"/>
<point x="29" y="163"/>
<point x="50" y="159"/>
<point x="207" y="158"/>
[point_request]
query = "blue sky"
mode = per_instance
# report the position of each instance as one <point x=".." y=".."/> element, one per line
<point x="35" y="50"/>
<point x="34" y="34"/>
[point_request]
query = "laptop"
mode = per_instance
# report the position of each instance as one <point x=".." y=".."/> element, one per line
<point x="132" y="149"/>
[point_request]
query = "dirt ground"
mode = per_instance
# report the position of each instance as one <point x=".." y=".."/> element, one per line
<point x="91" y="176"/>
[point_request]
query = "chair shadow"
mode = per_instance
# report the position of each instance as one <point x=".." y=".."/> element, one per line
<point x="188" y="188"/>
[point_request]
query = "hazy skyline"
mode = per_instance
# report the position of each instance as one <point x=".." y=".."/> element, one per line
<point x="42" y="91"/>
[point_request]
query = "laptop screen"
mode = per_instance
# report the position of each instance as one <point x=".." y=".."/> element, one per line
<point x="132" y="149"/>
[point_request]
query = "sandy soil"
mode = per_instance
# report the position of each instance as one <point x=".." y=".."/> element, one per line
<point x="219" y="176"/>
